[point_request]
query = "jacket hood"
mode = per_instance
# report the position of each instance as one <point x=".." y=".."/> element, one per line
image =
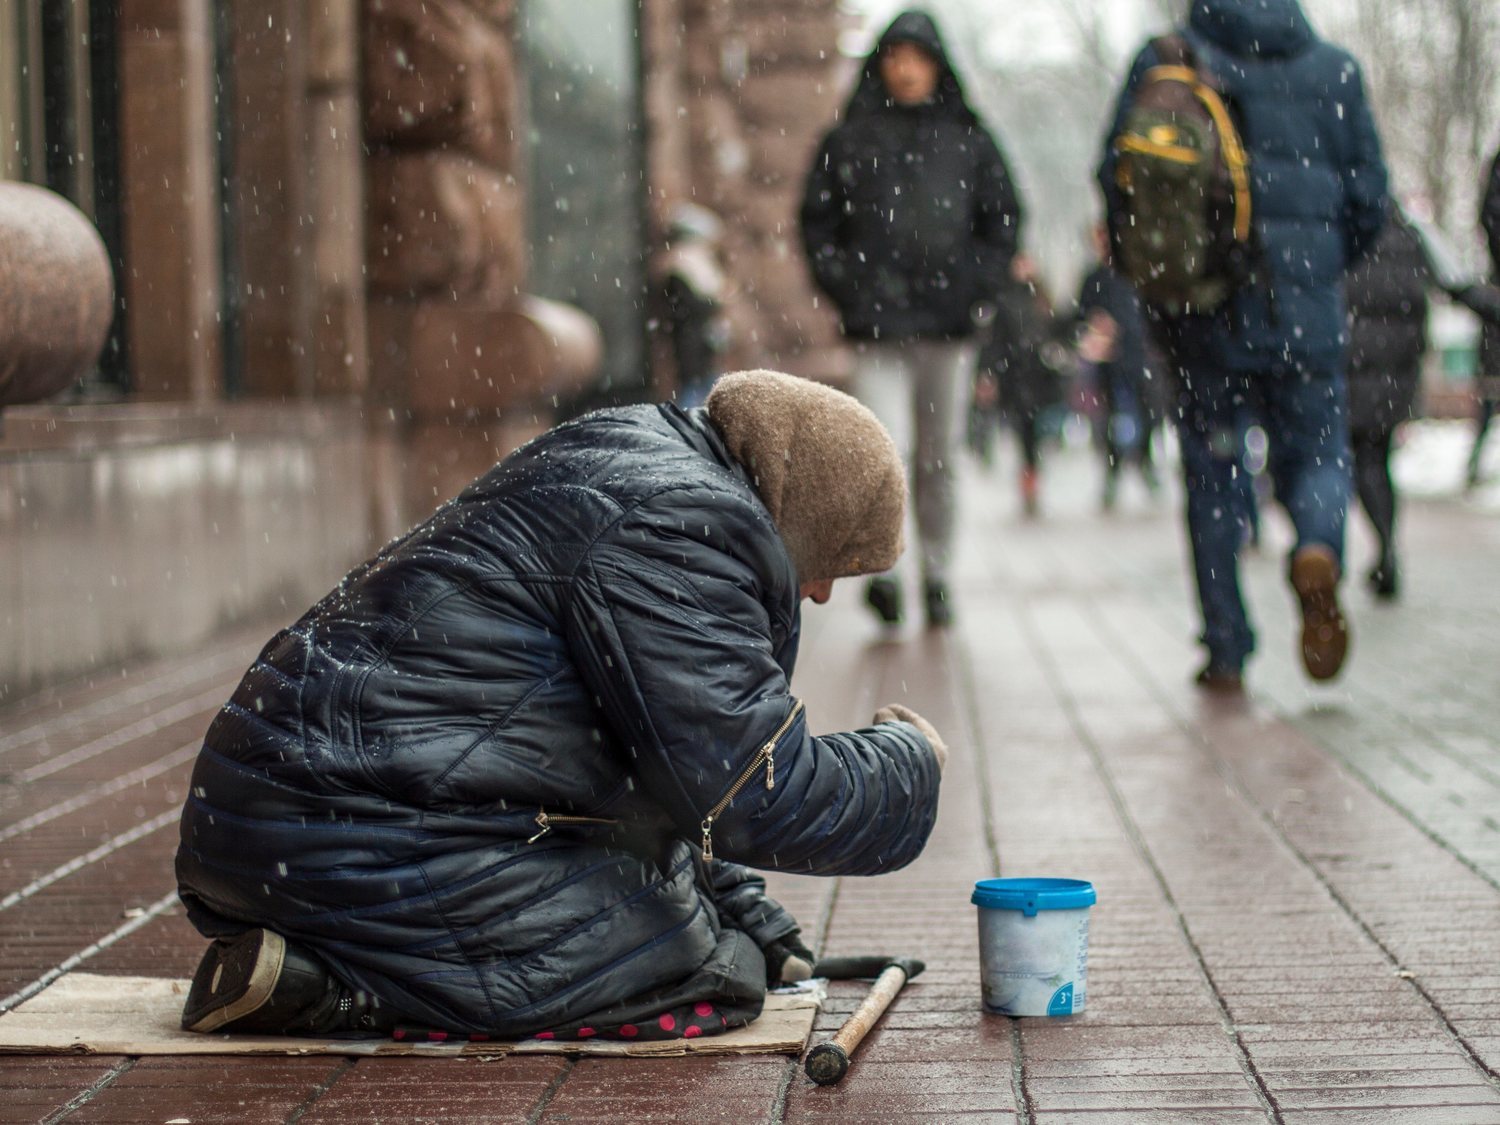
<point x="823" y="465"/>
<point x="913" y="26"/>
<point x="1253" y="28"/>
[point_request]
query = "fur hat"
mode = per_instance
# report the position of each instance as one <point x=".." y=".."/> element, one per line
<point x="824" y="466"/>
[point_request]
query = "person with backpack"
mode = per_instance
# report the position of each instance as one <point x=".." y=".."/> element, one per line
<point x="1242" y="175"/>
<point x="909" y="223"/>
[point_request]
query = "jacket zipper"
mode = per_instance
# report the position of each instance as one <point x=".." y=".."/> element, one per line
<point x="547" y="821"/>
<point x="766" y="756"/>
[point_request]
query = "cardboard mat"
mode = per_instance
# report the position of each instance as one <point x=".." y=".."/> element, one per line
<point x="89" y="1014"/>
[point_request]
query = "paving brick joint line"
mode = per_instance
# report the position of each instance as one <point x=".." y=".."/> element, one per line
<point x="81" y="1099"/>
<point x="1117" y="643"/>
<point x="1137" y="840"/>
<point x="318" y="1092"/>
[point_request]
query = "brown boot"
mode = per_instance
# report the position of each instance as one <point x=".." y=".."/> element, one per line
<point x="1325" y="635"/>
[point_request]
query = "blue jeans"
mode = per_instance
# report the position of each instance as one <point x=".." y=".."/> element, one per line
<point x="1303" y="414"/>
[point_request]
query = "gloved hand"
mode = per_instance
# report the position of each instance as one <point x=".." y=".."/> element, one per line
<point x="895" y="712"/>
<point x="788" y="960"/>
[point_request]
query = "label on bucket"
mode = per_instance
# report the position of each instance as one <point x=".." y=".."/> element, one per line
<point x="1034" y="966"/>
<point x="1061" y="1003"/>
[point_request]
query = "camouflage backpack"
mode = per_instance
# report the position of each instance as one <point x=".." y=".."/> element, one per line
<point x="1184" y="236"/>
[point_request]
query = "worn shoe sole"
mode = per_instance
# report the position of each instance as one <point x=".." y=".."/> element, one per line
<point x="1325" y="634"/>
<point x="235" y="978"/>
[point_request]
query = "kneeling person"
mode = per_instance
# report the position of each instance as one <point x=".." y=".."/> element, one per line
<point x="509" y="777"/>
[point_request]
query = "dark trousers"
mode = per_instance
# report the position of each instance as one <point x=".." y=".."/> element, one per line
<point x="1028" y="427"/>
<point x="1303" y="413"/>
<point x="1481" y="429"/>
<point x="1372" y="480"/>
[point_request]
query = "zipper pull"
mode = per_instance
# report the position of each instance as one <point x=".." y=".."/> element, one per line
<point x="770" y="765"/>
<point x="708" y="840"/>
<point x="541" y="819"/>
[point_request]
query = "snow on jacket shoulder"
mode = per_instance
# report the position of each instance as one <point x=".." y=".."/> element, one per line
<point x="475" y="777"/>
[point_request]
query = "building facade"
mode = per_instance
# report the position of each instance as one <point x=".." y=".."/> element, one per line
<point x="361" y="248"/>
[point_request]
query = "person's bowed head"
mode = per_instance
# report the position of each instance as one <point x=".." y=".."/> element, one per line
<point x="832" y="479"/>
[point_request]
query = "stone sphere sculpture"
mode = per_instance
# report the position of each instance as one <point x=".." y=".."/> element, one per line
<point x="56" y="293"/>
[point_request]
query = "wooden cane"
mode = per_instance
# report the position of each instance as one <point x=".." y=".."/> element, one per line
<point x="828" y="1062"/>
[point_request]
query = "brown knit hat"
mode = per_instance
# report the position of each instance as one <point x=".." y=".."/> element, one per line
<point x="824" y="466"/>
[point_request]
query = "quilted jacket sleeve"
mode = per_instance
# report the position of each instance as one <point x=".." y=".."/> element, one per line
<point x="670" y="624"/>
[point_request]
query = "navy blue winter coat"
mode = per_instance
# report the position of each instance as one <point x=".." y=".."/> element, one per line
<point x="909" y="216"/>
<point x="477" y="777"/>
<point x="1318" y="182"/>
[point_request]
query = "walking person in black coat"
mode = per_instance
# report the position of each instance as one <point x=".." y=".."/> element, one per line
<point x="1487" y="396"/>
<point x="909" y="222"/>
<point x="1388" y="306"/>
<point x="503" y="779"/>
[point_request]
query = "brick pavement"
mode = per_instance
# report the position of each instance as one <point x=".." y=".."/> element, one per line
<point x="1299" y="897"/>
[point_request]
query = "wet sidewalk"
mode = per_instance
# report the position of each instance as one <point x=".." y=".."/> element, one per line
<point x="1299" y="895"/>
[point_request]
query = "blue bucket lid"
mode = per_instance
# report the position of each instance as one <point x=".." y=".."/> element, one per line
<point x="1030" y="895"/>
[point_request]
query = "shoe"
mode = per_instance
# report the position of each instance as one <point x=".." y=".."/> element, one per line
<point x="259" y="983"/>
<point x="1385" y="580"/>
<point x="939" y="605"/>
<point x="1221" y="679"/>
<point x="1030" y="488"/>
<point x="1325" y="634"/>
<point x="883" y="595"/>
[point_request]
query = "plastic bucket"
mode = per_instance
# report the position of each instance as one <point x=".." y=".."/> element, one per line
<point x="1033" y="945"/>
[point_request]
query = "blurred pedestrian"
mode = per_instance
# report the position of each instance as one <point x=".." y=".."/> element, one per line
<point x="1114" y="345"/>
<point x="693" y="287"/>
<point x="1487" y="388"/>
<point x="1266" y="343"/>
<point x="1021" y="362"/>
<point x="1388" y="306"/>
<point x="909" y="222"/>
<point x="502" y="779"/>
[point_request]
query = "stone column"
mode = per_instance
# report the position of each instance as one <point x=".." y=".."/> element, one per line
<point x="297" y="205"/>
<point x="340" y="357"/>
<point x="738" y="93"/>
<point x="169" y="169"/>
<point x="453" y="333"/>
<point x="463" y="360"/>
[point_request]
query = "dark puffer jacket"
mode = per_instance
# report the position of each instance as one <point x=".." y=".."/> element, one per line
<point x="1387" y="295"/>
<point x="910" y="218"/>
<point x="476" y="777"/>
<point x="1318" y="182"/>
<point x="1489" y="341"/>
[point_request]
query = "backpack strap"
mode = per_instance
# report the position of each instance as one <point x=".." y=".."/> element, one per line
<point x="1174" y="50"/>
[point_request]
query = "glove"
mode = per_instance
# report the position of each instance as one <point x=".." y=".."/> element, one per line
<point x="895" y="712"/>
<point x="788" y="960"/>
